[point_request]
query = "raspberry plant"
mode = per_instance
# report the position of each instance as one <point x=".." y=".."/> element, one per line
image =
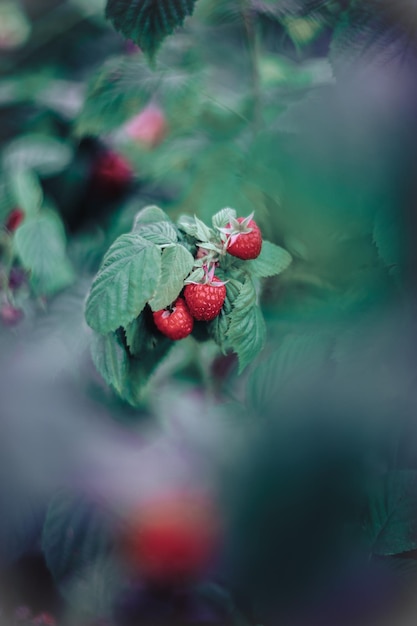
<point x="143" y="275"/>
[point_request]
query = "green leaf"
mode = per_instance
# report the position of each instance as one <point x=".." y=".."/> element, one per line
<point x="296" y="356"/>
<point x="203" y="232"/>
<point x="188" y="225"/>
<point x="118" y="91"/>
<point x="219" y="327"/>
<point x="40" y="245"/>
<point x="272" y="261"/>
<point x="374" y="33"/>
<point x="7" y="202"/>
<point x="74" y="535"/>
<point x="196" y="276"/>
<point x="110" y="359"/>
<point x="46" y="155"/>
<point x="149" y="215"/>
<point x="148" y="22"/>
<point x="246" y="333"/>
<point x="392" y="514"/>
<point x="148" y="348"/>
<point x="387" y="237"/>
<point x="135" y="333"/>
<point x="161" y="233"/>
<point x="177" y="263"/>
<point x="127" y="279"/>
<point x="92" y="592"/>
<point x="223" y="217"/>
<point x="26" y="190"/>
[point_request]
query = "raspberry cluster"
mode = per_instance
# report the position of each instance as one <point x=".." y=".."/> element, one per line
<point x="203" y="300"/>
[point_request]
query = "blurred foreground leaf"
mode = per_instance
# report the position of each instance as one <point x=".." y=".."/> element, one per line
<point x="392" y="516"/>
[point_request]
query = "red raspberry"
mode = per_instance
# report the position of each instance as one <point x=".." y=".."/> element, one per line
<point x="245" y="239"/>
<point x="205" y="300"/>
<point x="173" y="538"/>
<point x="176" y="321"/>
<point x="14" y="219"/>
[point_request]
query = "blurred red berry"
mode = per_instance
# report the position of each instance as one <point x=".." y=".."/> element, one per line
<point x="44" y="619"/>
<point x="173" y="538"/>
<point x="10" y="315"/>
<point x="14" y="219"/>
<point x="149" y="127"/>
<point x="112" y="172"/>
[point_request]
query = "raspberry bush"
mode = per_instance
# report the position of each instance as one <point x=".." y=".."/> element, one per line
<point x="154" y="280"/>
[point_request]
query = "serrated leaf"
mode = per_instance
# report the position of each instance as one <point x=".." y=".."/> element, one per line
<point x="147" y="22"/>
<point x="135" y="333"/>
<point x="247" y="345"/>
<point x="392" y="514"/>
<point x="127" y="279"/>
<point x="149" y="215"/>
<point x="26" y="190"/>
<point x="177" y="263"/>
<point x="40" y="245"/>
<point x="203" y="232"/>
<point x="46" y="155"/>
<point x="159" y="233"/>
<point x="272" y="261"/>
<point x="74" y="535"/>
<point x="218" y="328"/>
<point x="110" y="359"/>
<point x="223" y="217"/>
<point x="196" y="276"/>
<point x="188" y="224"/>
<point x="246" y="333"/>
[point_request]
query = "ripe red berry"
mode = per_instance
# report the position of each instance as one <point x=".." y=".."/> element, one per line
<point x="14" y="219"/>
<point x="205" y="300"/>
<point x="245" y="239"/>
<point x="172" y="538"/>
<point x="176" y="322"/>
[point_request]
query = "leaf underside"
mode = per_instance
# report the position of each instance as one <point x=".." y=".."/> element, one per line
<point x="148" y="22"/>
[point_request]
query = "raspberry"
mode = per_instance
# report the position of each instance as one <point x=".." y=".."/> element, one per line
<point x="14" y="219"/>
<point x="173" y="538"/>
<point x="244" y="238"/>
<point x="205" y="300"/>
<point x="176" y="322"/>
